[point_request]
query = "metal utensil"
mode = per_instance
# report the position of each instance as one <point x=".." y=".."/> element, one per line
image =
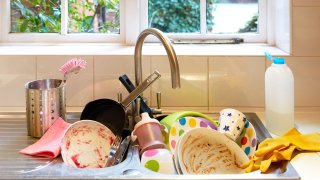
<point x="114" y="148"/>
<point x="126" y="82"/>
<point x="122" y="150"/>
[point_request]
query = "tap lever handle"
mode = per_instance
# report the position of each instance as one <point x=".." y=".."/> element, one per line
<point x="119" y="97"/>
<point x="138" y="106"/>
<point x="159" y="100"/>
<point x="130" y="87"/>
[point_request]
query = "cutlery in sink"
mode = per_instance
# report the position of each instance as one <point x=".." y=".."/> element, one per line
<point x="118" y="151"/>
<point x="113" y="150"/>
<point x="122" y="150"/>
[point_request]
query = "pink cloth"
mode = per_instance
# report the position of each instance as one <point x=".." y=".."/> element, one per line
<point x="49" y="144"/>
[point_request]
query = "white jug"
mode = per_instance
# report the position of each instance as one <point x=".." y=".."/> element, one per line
<point x="279" y="97"/>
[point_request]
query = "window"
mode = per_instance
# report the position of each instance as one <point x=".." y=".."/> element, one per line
<point x="64" y="20"/>
<point x="44" y="16"/>
<point x="209" y="19"/>
<point x="55" y="21"/>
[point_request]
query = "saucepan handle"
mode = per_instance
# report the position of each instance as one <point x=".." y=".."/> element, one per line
<point x="139" y="89"/>
<point x="130" y="87"/>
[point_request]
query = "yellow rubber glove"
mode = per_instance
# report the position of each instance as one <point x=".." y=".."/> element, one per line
<point x="281" y="149"/>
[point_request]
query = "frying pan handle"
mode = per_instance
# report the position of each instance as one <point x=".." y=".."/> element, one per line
<point x="130" y="87"/>
<point x="139" y="89"/>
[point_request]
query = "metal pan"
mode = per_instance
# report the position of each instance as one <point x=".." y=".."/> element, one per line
<point x="126" y="82"/>
<point x="112" y="113"/>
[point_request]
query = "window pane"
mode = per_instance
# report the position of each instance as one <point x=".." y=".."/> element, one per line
<point x="39" y="16"/>
<point x="233" y="16"/>
<point x="94" y="16"/>
<point x="174" y="16"/>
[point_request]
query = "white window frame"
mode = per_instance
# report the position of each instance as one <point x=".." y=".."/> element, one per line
<point x="62" y="37"/>
<point x="133" y="19"/>
<point x="261" y="37"/>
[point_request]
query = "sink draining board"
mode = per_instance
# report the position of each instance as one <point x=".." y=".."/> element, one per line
<point x="13" y="137"/>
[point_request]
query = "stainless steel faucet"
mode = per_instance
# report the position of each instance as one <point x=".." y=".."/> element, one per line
<point x="175" y="72"/>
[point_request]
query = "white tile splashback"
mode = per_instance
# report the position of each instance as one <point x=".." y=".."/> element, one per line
<point x="15" y="72"/>
<point x="305" y="33"/>
<point x="306" y="80"/>
<point x="194" y="86"/>
<point x="107" y="72"/>
<point x="306" y="3"/>
<point x="236" y="81"/>
<point x="79" y="87"/>
<point x="206" y="82"/>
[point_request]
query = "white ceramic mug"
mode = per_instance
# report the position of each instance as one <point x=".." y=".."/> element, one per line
<point x="231" y="123"/>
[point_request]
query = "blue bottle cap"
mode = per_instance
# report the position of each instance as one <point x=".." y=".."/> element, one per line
<point x="277" y="60"/>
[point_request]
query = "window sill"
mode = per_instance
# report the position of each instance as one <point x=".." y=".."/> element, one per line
<point x="148" y="49"/>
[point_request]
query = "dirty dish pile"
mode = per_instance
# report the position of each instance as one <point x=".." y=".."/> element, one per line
<point x="200" y="145"/>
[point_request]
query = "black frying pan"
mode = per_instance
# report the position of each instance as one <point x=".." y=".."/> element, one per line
<point x="112" y="113"/>
<point x="126" y="82"/>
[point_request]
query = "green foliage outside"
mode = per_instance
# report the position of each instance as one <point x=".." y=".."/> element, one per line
<point x="79" y="21"/>
<point x="173" y="16"/>
<point x="35" y="16"/>
<point x="251" y="26"/>
<point x="44" y="16"/>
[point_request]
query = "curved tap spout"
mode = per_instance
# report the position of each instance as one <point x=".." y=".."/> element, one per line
<point x="175" y="72"/>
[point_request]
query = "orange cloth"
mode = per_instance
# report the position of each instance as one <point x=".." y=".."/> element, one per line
<point x="280" y="149"/>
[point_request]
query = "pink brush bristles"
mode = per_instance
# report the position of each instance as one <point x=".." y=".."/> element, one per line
<point x="72" y="65"/>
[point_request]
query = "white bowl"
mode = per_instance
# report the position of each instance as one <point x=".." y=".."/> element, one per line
<point x="86" y="144"/>
<point x="206" y="151"/>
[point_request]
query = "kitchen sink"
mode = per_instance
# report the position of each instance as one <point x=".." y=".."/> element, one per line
<point x="13" y="165"/>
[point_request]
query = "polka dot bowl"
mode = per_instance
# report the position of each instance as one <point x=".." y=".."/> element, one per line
<point x="158" y="160"/>
<point x="248" y="139"/>
<point x="184" y="124"/>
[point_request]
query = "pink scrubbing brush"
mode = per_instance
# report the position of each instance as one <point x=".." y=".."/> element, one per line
<point x="72" y="66"/>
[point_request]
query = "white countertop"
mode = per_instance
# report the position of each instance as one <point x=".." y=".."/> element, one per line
<point x="306" y="163"/>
